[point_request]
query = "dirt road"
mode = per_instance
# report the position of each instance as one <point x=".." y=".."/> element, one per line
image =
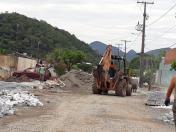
<point x="68" y="112"/>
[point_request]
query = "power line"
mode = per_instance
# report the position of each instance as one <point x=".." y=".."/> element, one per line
<point x="159" y="18"/>
<point x="134" y="40"/>
<point x="160" y="36"/>
<point x="172" y="45"/>
<point x="165" y="47"/>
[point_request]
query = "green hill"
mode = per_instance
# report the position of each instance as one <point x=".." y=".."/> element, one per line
<point x="19" y="33"/>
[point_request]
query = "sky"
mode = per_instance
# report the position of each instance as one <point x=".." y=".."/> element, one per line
<point x="108" y="21"/>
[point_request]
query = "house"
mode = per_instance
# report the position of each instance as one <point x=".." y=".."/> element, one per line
<point x="11" y="63"/>
<point x="164" y="74"/>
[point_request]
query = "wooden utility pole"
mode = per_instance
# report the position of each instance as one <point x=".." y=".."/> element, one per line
<point x="126" y="41"/>
<point x="125" y="58"/>
<point x="119" y="55"/>
<point x="143" y="43"/>
<point x="119" y="49"/>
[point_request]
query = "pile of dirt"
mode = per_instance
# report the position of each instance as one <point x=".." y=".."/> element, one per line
<point x="77" y="81"/>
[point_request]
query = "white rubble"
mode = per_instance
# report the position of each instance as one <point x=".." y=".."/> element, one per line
<point x="13" y="94"/>
<point x="163" y="107"/>
<point x="168" y="118"/>
<point x="155" y="98"/>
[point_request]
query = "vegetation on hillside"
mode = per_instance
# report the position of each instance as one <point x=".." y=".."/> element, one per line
<point x="19" y="33"/>
<point x="64" y="59"/>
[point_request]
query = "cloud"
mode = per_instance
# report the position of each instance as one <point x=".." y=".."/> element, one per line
<point x="104" y="20"/>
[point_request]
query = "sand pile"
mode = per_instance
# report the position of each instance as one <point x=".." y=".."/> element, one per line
<point x="77" y="81"/>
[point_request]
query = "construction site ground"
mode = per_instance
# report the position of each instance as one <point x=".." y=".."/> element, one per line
<point x="73" y="109"/>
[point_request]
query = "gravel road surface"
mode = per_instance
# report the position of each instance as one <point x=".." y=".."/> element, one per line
<point x="74" y="112"/>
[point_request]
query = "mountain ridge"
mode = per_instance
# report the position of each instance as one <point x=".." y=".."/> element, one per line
<point x="19" y="33"/>
<point x="131" y="54"/>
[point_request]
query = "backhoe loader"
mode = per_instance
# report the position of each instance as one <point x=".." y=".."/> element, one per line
<point x="108" y="77"/>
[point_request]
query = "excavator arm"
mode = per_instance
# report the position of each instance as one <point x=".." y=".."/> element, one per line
<point x="106" y="59"/>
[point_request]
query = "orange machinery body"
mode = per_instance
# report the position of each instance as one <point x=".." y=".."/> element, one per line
<point x="103" y="81"/>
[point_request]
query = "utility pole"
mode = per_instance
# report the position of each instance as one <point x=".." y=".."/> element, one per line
<point x="38" y="48"/>
<point x="143" y="42"/>
<point x="126" y="41"/>
<point x="119" y="49"/>
<point x="125" y="59"/>
<point x="119" y="54"/>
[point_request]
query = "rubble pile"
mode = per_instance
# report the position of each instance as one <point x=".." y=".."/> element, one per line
<point x="14" y="94"/>
<point x="77" y="81"/>
<point x="168" y="118"/>
<point x="22" y="78"/>
<point x="11" y="98"/>
<point x="155" y="98"/>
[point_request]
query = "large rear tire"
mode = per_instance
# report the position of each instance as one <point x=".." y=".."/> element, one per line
<point x="121" y="90"/>
<point x="105" y="92"/>
<point x="95" y="90"/>
<point x="129" y="90"/>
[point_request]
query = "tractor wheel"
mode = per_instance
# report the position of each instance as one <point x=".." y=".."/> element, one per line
<point x="94" y="89"/>
<point x="129" y="90"/>
<point x="105" y="92"/>
<point x="121" y="90"/>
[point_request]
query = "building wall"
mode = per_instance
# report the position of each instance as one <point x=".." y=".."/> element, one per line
<point x="164" y="74"/>
<point x="8" y="61"/>
<point x="24" y="63"/>
<point x="9" y="64"/>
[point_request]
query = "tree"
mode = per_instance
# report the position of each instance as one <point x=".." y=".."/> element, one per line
<point x="23" y="34"/>
<point x="64" y="58"/>
<point x="2" y="51"/>
<point x="56" y="56"/>
<point x="72" y="57"/>
<point x="173" y="66"/>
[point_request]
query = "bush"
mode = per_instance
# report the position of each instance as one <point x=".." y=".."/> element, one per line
<point x="60" y="68"/>
<point x="173" y="66"/>
<point x="85" y="67"/>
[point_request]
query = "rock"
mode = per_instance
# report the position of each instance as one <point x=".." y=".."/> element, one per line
<point x="155" y="98"/>
<point x="168" y="118"/>
<point x="16" y="97"/>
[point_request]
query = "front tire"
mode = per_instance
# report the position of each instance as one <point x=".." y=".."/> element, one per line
<point x="129" y="90"/>
<point x="121" y="89"/>
<point x="95" y="90"/>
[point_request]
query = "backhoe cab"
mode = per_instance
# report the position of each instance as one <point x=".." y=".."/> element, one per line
<point x="111" y="74"/>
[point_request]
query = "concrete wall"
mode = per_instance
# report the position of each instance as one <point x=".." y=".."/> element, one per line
<point x="164" y="74"/>
<point x="24" y="63"/>
<point x="9" y="64"/>
<point x="8" y="61"/>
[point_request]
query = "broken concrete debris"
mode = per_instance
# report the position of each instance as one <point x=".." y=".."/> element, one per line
<point x="155" y="98"/>
<point x="168" y="118"/>
<point x="14" y="94"/>
<point x="11" y="98"/>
